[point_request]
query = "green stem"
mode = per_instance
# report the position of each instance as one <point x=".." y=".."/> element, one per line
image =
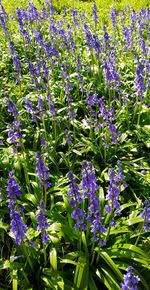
<point x="84" y="241"/>
<point x="109" y="228"/>
<point x="137" y="240"/>
<point x="27" y="256"/>
<point x="44" y="251"/>
<point x="25" y="166"/>
<point x="14" y="282"/>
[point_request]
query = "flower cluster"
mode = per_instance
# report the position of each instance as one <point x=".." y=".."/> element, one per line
<point x="42" y="222"/>
<point x="75" y="199"/>
<point x="116" y="179"/>
<point x="145" y="215"/>
<point x="139" y="81"/>
<point x="89" y="187"/>
<point x="14" y="132"/>
<point x="86" y="195"/>
<point x="105" y="119"/>
<point x="130" y="280"/>
<point x="42" y="171"/>
<point x="110" y="72"/>
<point x="18" y="228"/>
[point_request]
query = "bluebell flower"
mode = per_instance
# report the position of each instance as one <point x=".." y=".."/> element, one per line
<point x="110" y="72"/>
<point x="89" y="186"/>
<point x="79" y="215"/>
<point x="116" y="179"/>
<point x="105" y="119"/>
<point x="89" y="183"/>
<point x="139" y="81"/>
<point x="106" y="39"/>
<point x="3" y="19"/>
<point x="13" y="187"/>
<point x="12" y="108"/>
<point x="51" y="103"/>
<point x="128" y="38"/>
<point x="40" y="107"/>
<point x="74" y="192"/>
<point x="75" y="16"/>
<point x="18" y="228"/>
<point x="42" y="171"/>
<point x="94" y="14"/>
<point x="11" y="47"/>
<point x="113" y="16"/>
<point x="68" y="137"/>
<point x="75" y="199"/>
<point x="43" y="223"/>
<point x="145" y="215"/>
<point x="130" y="280"/>
<point x="14" y="134"/>
<point x="88" y="37"/>
<point x="31" y="109"/>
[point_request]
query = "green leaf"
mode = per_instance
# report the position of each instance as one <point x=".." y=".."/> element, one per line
<point x="31" y="233"/>
<point x="53" y="258"/>
<point x="82" y="273"/>
<point x="135" y="249"/>
<point x="92" y="285"/>
<point x="111" y="278"/>
<point x="107" y="279"/>
<point x="68" y="261"/>
<point x="109" y="262"/>
<point x="3" y="225"/>
<point x="133" y="221"/>
<point x="32" y="198"/>
<point x="119" y="231"/>
<point x="4" y="264"/>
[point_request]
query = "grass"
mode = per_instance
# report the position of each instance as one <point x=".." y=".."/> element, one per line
<point x="103" y="5"/>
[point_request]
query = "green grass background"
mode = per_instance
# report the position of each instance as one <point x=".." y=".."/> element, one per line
<point x="85" y="5"/>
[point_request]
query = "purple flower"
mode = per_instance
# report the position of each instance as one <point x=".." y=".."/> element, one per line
<point x="139" y="81"/>
<point x="78" y="215"/>
<point x="89" y="182"/>
<point x="73" y="192"/>
<point x="68" y="137"/>
<point x="42" y="222"/>
<point x="17" y="63"/>
<point x="130" y="280"/>
<point x="128" y="37"/>
<point x="110" y="71"/>
<point x="89" y="186"/>
<point x="75" y="198"/>
<point x="74" y="16"/>
<point x="3" y="19"/>
<point x="42" y="171"/>
<point x="12" y="108"/>
<point x="145" y="215"/>
<point x="13" y="187"/>
<point x="113" y="15"/>
<point x="51" y="105"/>
<point x="88" y="37"/>
<point x="105" y="118"/>
<point x="14" y="133"/>
<point x="106" y="39"/>
<point x="41" y="107"/>
<point x="116" y="179"/>
<point x="96" y="45"/>
<point x="94" y="14"/>
<point x="18" y="228"/>
<point x="30" y="109"/>
<point x="68" y="90"/>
